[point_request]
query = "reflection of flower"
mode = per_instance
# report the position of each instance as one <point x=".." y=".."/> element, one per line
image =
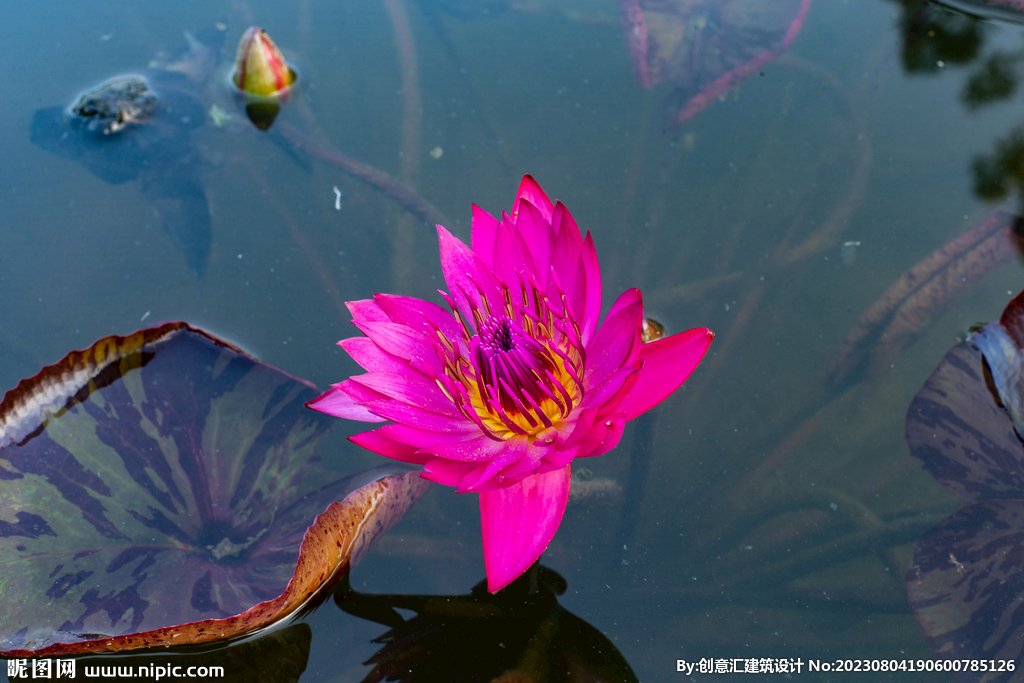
<point x="522" y="634"/>
<point x="500" y="394"/>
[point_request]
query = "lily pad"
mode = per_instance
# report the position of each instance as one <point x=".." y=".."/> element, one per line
<point x="966" y="585"/>
<point x="958" y="428"/>
<point x="966" y="582"/>
<point x="167" y="478"/>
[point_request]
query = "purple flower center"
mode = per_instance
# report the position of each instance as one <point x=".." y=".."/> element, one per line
<point x="514" y="368"/>
<point x="517" y="370"/>
<point x="500" y="336"/>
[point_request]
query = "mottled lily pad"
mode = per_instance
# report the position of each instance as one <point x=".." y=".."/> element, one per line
<point x="959" y="425"/>
<point x="966" y="587"/>
<point x="966" y="582"/>
<point x="168" y="478"/>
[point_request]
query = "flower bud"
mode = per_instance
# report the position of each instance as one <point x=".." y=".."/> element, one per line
<point x="262" y="77"/>
<point x="260" y="68"/>
<point x="651" y="330"/>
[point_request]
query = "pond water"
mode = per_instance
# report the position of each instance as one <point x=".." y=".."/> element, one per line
<point x="768" y="509"/>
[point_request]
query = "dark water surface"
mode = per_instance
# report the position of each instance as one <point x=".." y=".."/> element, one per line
<point x="768" y="512"/>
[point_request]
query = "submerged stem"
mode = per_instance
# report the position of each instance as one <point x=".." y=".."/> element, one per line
<point x="372" y="176"/>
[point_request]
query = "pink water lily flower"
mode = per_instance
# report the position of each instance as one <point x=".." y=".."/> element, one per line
<point x="498" y="394"/>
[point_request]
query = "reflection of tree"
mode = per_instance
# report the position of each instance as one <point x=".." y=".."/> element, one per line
<point x="934" y="37"/>
<point x="1003" y="170"/>
<point x="519" y="634"/>
<point x="996" y="80"/>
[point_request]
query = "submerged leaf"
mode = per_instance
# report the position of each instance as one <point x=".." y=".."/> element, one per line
<point x="908" y="306"/>
<point x="705" y="47"/>
<point x="965" y="439"/>
<point x="164" y="478"/>
<point x="966" y="583"/>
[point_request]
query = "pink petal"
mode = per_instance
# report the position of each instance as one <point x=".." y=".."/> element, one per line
<point x="518" y="523"/>
<point x="366" y="310"/>
<point x="485" y="233"/>
<point x="464" y="271"/>
<point x="666" y="365"/>
<point x="411" y="387"/>
<point x="419" y="315"/>
<point x="476" y="449"/>
<point x="483" y="481"/>
<point x="584" y="423"/>
<point x="626" y="299"/>
<point x="602" y="437"/>
<point x="529" y="463"/>
<point x="415" y="416"/>
<point x="338" y="403"/>
<point x="531" y="191"/>
<point x="535" y="231"/>
<point x="567" y="263"/>
<point x="561" y="220"/>
<point x="612" y="390"/>
<point x="591" y="312"/>
<point x="420" y="438"/>
<point x="447" y="472"/>
<point x="512" y="254"/>
<point x="384" y="445"/>
<point x="558" y="459"/>
<point x="617" y="341"/>
<point x="371" y="357"/>
<point x="404" y="342"/>
<point x="489" y="478"/>
<point x="357" y="392"/>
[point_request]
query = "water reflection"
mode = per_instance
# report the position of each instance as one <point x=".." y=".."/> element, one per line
<point x="278" y="657"/>
<point x="935" y="37"/>
<point x="520" y="633"/>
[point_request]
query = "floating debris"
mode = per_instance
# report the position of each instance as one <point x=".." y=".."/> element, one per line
<point x="848" y="252"/>
<point x="218" y="115"/>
